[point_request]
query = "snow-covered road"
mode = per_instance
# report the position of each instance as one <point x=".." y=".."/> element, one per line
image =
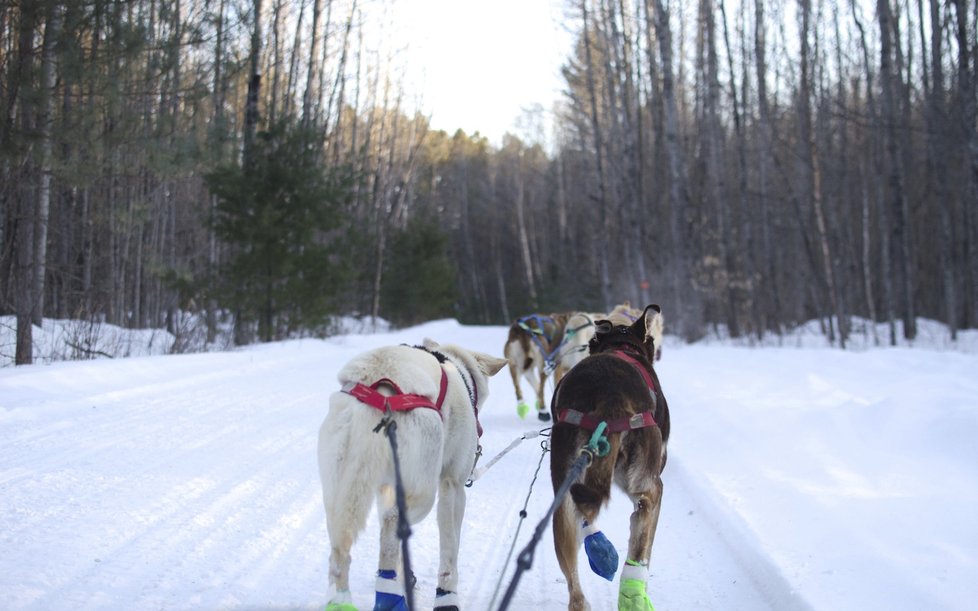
<point x="190" y="482"/>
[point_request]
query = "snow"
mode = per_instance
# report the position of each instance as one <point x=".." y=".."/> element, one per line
<point x="800" y="476"/>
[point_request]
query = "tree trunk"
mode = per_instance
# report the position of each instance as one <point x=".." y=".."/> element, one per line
<point x="814" y="171"/>
<point x="937" y="135"/>
<point x="872" y="178"/>
<point x="685" y="298"/>
<point x="712" y="138"/>
<point x="521" y="230"/>
<point x="739" y="219"/>
<point x="603" y="215"/>
<point x="24" y="219"/>
<point x="895" y="180"/>
<point x="769" y="287"/>
<point x="251" y="116"/>
<point x="44" y="119"/>
<point x="311" y="88"/>
<point x="968" y="128"/>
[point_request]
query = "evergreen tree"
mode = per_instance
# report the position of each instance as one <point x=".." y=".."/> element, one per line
<point x="420" y="279"/>
<point x="281" y="215"/>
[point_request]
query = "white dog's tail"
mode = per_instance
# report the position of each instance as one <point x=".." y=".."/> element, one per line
<point x="352" y="459"/>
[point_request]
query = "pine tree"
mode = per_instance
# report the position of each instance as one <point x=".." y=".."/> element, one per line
<point x="282" y="218"/>
<point x="420" y="278"/>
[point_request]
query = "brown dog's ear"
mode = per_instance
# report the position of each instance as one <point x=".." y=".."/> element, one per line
<point x="645" y="323"/>
<point x="652" y="321"/>
<point x="602" y="327"/>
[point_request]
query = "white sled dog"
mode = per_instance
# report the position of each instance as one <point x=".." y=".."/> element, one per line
<point x="434" y="393"/>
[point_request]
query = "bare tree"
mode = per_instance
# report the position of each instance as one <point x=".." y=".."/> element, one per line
<point x="938" y="134"/>
<point x="814" y="171"/>
<point x="896" y="183"/>
<point x="678" y="188"/>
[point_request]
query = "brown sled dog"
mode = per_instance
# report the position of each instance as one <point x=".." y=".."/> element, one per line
<point x="532" y="350"/>
<point x="616" y="385"/>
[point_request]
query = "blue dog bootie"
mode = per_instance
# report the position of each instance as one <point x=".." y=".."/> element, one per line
<point x="389" y="592"/>
<point x="445" y="600"/>
<point x="601" y="554"/>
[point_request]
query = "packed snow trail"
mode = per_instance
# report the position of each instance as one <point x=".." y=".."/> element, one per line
<point x="190" y="482"/>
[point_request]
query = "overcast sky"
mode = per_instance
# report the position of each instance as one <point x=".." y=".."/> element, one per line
<point x="479" y="63"/>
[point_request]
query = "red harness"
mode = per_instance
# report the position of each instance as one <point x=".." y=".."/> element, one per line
<point x="402" y="402"/>
<point x="399" y="401"/>
<point x="637" y="421"/>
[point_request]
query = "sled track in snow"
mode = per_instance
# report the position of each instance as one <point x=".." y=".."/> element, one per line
<point x="201" y="492"/>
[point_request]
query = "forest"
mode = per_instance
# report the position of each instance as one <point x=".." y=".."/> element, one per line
<point x="256" y="164"/>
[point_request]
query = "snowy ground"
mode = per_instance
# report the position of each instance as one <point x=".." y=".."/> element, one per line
<point x="798" y="478"/>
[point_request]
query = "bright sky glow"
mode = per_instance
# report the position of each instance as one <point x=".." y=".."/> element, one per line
<point x="477" y="64"/>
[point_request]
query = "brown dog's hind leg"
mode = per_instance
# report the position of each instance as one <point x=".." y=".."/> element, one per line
<point x="644" y="521"/>
<point x="565" y="524"/>
<point x="515" y="373"/>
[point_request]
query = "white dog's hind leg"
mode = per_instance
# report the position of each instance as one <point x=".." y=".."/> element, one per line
<point x="347" y="495"/>
<point x="389" y="589"/>
<point x="451" y="511"/>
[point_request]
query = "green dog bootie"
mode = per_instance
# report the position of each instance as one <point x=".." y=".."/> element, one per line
<point x="522" y="409"/>
<point x="631" y="592"/>
<point x="341" y="601"/>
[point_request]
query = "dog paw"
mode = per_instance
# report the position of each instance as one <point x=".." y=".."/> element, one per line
<point x="633" y="597"/>
<point x="389" y="602"/>
<point x="445" y="600"/>
<point x="341" y="601"/>
<point x="543" y="416"/>
<point x="389" y="592"/>
<point x="522" y="409"/>
<point x="601" y="555"/>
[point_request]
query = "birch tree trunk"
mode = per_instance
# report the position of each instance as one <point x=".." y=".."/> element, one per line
<point x="46" y="116"/>
<point x="311" y="88"/>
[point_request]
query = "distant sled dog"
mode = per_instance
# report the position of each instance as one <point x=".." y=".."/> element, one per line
<point x="615" y="385"/>
<point x="532" y="350"/>
<point x="434" y="392"/>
